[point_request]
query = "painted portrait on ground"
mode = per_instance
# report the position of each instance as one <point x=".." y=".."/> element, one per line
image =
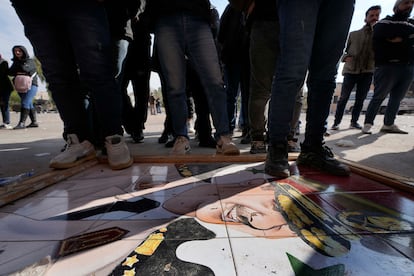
<point x="292" y="222"/>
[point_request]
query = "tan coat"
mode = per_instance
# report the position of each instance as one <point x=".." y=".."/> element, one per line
<point x="359" y="47"/>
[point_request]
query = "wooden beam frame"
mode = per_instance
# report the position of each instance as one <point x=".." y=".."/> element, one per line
<point x="17" y="190"/>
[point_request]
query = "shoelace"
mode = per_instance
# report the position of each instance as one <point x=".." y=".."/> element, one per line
<point x="327" y="151"/>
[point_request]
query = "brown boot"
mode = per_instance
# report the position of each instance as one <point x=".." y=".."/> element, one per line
<point x="226" y="146"/>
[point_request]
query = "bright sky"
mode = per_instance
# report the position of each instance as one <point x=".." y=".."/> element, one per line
<point x="11" y="29"/>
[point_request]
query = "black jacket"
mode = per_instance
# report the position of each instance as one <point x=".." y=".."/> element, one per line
<point x="232" y="36"/>
<point x="120" y="13"/>
<point x="25" y="66"/>
<point x="5" y="83"/>
<point x="264" y="10"/>
<point x="387" y="52"/>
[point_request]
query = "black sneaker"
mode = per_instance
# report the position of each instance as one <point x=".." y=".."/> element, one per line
<point x="258" y="147"/>
<point x="138" y="136"/>
<point x="171" y="141"/>
<point x="277" y="164"/>
<point x="163" y="138"/>
<point x="355" y="125"/>
<point x="323" y="159"/>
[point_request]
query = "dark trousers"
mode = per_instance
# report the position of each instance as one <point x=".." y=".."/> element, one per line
<point x="363" y="82"/>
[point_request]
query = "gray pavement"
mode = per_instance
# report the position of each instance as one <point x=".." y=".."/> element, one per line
<point x="31" y="149"/>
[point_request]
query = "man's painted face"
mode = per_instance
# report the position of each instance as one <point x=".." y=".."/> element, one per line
<point x="240" y="209"/>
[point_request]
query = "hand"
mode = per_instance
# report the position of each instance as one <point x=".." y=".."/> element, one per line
<point x="395" y="39"/>
<point x="348" y="59"/>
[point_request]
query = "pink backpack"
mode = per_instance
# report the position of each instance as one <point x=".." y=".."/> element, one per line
<point x="23" y="83"/>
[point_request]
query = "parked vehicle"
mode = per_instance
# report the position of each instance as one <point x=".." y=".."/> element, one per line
<point x="406" y="105"/>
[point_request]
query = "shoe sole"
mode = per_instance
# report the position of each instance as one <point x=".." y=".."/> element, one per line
<point x="79" y="161"/>
<point x="395" y="132"/>
<point x="123" y="165"/>
<point x="277" y="174"/>
<point x="301" y="163"/>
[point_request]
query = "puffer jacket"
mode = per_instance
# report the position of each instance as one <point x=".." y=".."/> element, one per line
<point x="387" y="52"/>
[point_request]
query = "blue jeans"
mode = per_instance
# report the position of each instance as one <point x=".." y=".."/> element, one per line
<point x="178" y="36"/>
<point x="74" y="48"/>
<point x="312" y="36"/>
<point x="393" y="79"/>
<point x="362" y="82"/>
<point x="27" y="98"/>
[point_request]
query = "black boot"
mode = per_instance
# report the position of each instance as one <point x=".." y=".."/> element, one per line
<point x="277" y="164"/>
<point x="321" y="157"/>
<point x="32" y="115"/>
<point x="23" y="116"/>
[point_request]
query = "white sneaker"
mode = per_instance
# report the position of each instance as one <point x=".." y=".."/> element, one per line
<point x="367" y="129"/>
<point x="226" y="146"/>
<point x="393" y="129"/>
<point x="74" y="154"/>
<point x="190" y="128"/>
<point x="118" y="153"/>
<point x="181" y="146"/>
<point x="6" y="126"/>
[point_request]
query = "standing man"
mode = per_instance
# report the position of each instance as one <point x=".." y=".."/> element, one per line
<point x="312" y="38"/>
<point x="183" y="30"/>
<point x="72" y="41"/>
<point x="6" y="88"/>
<point x="358" y="69"/>
<point x="394" y="60"/>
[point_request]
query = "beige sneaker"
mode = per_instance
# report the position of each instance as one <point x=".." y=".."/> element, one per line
<point x="226" y="146"/>
<point x="181" y="146"/>
<point x="367" y="129"/>
<point x="393" y="129"/>
<point x="118" y="153"/>
<point x="75" y="153"/>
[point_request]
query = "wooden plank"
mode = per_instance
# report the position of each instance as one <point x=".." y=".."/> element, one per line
<point x="35" y="183"/>
<point x="387" y="178"/>
<point x="206" y="158"/>
<point x="14" y="191"/>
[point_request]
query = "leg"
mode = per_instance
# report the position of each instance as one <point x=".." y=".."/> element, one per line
<point x="323" y="67"/>
<point x="383" y="84"/>
<point x="347" y="86"/>
<point x="171" y="53"/>
<point x="203" y="55"/>
<point x="264" y="41"/>
<point x="363" y="84"/>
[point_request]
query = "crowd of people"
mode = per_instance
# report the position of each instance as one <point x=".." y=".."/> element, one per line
<point x="263" y="52"/>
